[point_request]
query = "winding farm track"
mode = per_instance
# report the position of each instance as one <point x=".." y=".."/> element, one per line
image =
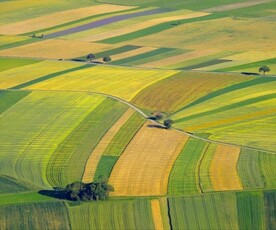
<point x="104" y="22"/>
<point x="146" y="116"/>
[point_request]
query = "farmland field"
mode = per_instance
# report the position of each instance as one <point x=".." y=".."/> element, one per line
<point x="166" y="110"/>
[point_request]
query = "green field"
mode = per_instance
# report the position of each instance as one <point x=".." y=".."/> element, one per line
<point x="183" y="177"/>
<point x="66" y="118"/>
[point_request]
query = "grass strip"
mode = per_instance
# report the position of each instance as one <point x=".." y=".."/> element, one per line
<point x="229" y="107"/>
<point x="132" y="60"/>
<point x="9" y="98"/>
<point x="155" y="29"/>
<point x="228" y="89"/>
<point x="105" y="166"/>
<point x="19" y="43"/>
<point x="9" y="63"/>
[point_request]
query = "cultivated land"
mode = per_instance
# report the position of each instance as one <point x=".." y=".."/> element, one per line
<point x="65" y="118"/>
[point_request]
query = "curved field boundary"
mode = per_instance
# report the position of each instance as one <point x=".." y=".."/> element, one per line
<point x="229" y="107"/>
<point x="223" y="169"/>
<point x="103" y="22"/>
<point x="95" y="156"/>
<point x="184" y="88"/>
<point x="144" y="167"/>
<point x="204" y="168"/>
<point x="268" y="168"/>
<point x="67" y="163"/>
<point x="243" y="85"/>
<point x="184" y="174"/>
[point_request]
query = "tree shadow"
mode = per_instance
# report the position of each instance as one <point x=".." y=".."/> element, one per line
<point x="57" y="193"/>
<point x="157" y="126"/>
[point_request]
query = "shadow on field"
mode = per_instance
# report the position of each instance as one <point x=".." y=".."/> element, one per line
<point x="56" y="193"/>
<point x="157" y="126"/>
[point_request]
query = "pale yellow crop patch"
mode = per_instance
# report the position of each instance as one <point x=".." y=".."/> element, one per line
<point x="55" y="49"/>
<point x="117" y="81"/>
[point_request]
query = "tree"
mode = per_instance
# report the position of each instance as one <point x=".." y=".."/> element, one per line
<point x="107" y="59"/>
<point x="168" y="123"/>
<point x="264" y="69"/>
<point x="98" y="190"/>
<point x="90" y="57"/>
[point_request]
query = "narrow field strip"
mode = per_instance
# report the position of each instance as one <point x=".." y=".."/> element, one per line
<point x="95" y="156"/>
<point x="249" y="169"/>
<point x="211" y="211"/>
<point x="154" y="29"/>
<point x="11" y="185"/>
<point x="270" y="209"/>
<point x="267" y="165"/>
<point x="242" y="85"/>
<point x="204" y="169"/>
<point x="114" y="214"/>
<point x="141" y="25"/>
<point x="121" y="82"/>
<point x="17" y="76"/>
<point x="223" y="169"/>
<point x="250" y="208"/>
<point x="8" y="99"/>
<point x="49" y="76"/>
<point x="126" y="55"/>
<point x="156" y="214"/>
<point x="138" y="58"/>
<point x="64" y="49"/>
<point x="10" y="63"/>
<point x="117" y="145"/>
<point x="144" y="167"/>
<point x="68" y="162"/>
<point x="104" y="22"/>
<point x="123" y="137"/>
<point x="184" y="174"/>
<point x="58" y="18"/>
<point x="235" y="6"/>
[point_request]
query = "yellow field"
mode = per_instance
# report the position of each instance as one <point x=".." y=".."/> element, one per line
<point x="95" y="156"/>
<point x="171" y="61"/>
<point x="145" y="165"/>
<point x="55" y="49"/>
<point x="212" y="34"/>
<point x="223" y="169"/>
<point x="6" y="39"/>
<point x="16" y="76"/>
<point x="118" y="81"/>
<point x="156" y="214"/>
<point x="138" y="25"/>
<point x="235" y="6"/>
<point x="58" y="18"/>
<point x="132" y="53"/>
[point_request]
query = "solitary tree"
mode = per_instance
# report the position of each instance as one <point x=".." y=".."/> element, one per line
<point x="90" y="57"/>
<point x="168" y="123"/>
<point x="264" y="69"/>
<point x="107" y="59"/>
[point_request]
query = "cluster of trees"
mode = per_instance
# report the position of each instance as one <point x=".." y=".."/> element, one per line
<point x="159" y="116"/>
<point x="79" y="191"/>
<point x="91" y="57"/>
